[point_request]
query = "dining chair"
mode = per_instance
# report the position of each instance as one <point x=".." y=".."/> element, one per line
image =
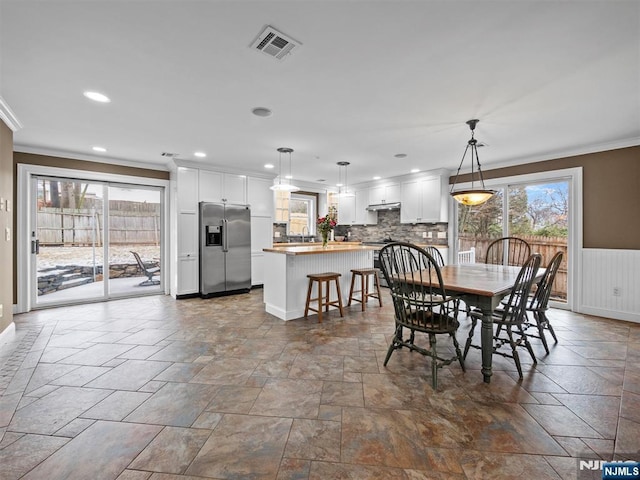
<point x="420" y="303"/>
<point x="435" y="253"/>
<point x="538" y="303"/>
<point x="508" y="251"/>
<point x="510" y="316"/>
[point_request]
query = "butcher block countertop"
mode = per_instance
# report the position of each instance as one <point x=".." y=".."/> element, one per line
<point x="317" y="248"/>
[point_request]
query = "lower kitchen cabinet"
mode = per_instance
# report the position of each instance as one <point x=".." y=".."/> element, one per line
<point x="188" y="275"/>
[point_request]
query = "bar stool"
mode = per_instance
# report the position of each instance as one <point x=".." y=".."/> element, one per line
<point x="323" y="301"/>
<point x="364" y="274"/>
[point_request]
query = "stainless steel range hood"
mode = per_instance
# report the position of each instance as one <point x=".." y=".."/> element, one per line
<point x="383" y="206"/>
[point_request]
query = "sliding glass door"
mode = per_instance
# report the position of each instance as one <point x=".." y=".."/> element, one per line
<point x="93" y="240"/>
<point x="536" y="211"/>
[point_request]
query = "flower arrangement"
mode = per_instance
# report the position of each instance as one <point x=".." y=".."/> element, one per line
<point x="326" y="224"/>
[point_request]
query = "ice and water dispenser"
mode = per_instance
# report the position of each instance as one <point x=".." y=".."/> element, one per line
<point x="213" y="236"/>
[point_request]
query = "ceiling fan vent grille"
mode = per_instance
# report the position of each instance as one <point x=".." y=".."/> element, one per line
<point x="274" y="43"/>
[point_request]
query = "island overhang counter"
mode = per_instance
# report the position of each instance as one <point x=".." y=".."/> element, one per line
<point x="286" y="270"/>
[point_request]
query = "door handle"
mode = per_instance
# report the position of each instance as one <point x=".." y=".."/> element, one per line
<point x="35" y="246"/>
<point x="225" y="236"/>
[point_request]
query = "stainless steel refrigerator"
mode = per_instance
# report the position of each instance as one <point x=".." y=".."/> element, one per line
<point x="225" y="248"/>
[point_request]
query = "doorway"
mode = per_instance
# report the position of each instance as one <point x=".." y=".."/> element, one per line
<point x="92" y="240"/>
<point x="539" y="208"/>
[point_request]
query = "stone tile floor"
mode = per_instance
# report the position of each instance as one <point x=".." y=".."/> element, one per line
<point x="154" y="388"/>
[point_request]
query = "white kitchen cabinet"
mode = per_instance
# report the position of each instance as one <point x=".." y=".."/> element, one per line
<point x="234" y="189"/>
<point x="384" y="194"/>
<point x="220" y="187"/>
<point x="362" y="215"/>
<point x="188" y="276"/>
<point x="260" y="196"/>
<point x="346" y="210"/>
<point x="188" y="265"/>
<point x="187" y="189"/>
<point x="261" y="237"/>
<point x="424" y="200"/>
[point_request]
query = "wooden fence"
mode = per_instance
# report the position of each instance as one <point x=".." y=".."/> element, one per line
<point x="545" y="246"/>
<point x="82" y="227"/>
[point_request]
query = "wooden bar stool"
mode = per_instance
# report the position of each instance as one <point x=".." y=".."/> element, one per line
<point x="364" y="274"/>
<point x="323" y="301"/>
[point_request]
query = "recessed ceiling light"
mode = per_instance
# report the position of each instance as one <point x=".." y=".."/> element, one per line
<point x="400" y="155"/>
<point x="415" y="170"/>
<point x="99" y="149"/>
<point x="376" y="177"/>
<point x="268" y="165"/>
<point x="262" y="112"/>
<point x="200" y="154"/>
<point x="97" y="97"/>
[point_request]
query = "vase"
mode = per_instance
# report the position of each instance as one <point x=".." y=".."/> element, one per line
<point x="325" y="238"/>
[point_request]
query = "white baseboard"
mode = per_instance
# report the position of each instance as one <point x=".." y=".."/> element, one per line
<point x="8" y="334"/>
<point x="600" y="312"/>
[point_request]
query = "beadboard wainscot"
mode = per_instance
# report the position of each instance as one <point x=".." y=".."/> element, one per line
<point x="611" y="283"/>
<point x="285" y="286"/>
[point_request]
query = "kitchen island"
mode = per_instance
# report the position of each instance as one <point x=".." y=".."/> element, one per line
<point x="287" y="267"/>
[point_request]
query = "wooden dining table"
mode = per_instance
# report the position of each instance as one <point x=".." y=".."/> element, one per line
<point x="482" y="286"/>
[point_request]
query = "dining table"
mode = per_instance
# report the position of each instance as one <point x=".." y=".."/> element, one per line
<point x="482" y="286"/>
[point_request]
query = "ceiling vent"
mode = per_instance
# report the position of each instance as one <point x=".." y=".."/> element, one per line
<point x="274" y="43"/>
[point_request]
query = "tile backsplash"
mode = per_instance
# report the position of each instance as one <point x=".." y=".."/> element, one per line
<point x="388" y="226"/>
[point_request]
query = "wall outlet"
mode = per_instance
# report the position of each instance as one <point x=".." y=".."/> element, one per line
<point x="1" y="203"/>
<point x="442" y="234"/>
<point x="277" y="234"/>
<point x="7" y="234"/>
<point x="1" y="311"/>
<point x="617" y="291"/>
<point x="424" y="234"/>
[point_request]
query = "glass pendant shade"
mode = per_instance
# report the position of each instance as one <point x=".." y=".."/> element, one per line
<point x="285" y="186"/>
<point x="343" y="188"/>
<point x="471" y="196"/>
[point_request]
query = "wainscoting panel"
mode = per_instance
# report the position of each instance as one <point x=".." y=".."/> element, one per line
<point x="611" y="283"/>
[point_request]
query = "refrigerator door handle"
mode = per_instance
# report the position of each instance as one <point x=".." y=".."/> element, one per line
<point x="225" y="235"/>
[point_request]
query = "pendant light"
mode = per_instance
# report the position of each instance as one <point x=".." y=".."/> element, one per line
<point x="343" y="188"/>
<point x="286" y="186"/>
<point x="471" y="196"/>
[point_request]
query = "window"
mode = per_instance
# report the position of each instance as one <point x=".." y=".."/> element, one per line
<point x="302" y="213"/>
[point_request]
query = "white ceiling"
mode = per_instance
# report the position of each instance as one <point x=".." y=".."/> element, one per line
<point x="372" y="79"/>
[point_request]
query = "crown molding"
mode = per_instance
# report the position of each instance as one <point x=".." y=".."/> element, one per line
<point x="88" y="158"/>
<point x="8" y="117"/>
<point x="563" y="153"/>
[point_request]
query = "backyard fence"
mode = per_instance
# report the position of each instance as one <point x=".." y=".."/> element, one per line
<point x="130" y="223"/>
<point x="545" y="246"/>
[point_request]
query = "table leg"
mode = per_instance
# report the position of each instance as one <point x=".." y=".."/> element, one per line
<point x="486" y="339"/>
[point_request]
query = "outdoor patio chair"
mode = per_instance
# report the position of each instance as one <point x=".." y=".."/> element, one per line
<point x="148" y="271"/>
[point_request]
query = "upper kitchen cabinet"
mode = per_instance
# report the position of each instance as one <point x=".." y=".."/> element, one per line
<point x="187" y="190"/>
<point x="353" y="210"/>
<point x="346" y="210"/>
<point x="384" y="194"/>
<point x="260" y="197"/>
<point x="424" y="200"/>
<point x="222" y="187"/>
<point x="364" y="216"/>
